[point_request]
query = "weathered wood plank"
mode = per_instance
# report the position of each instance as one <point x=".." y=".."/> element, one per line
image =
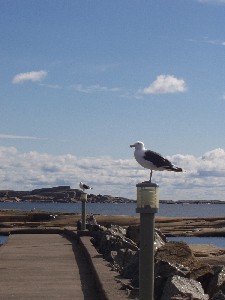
<point x="44" y="266"/>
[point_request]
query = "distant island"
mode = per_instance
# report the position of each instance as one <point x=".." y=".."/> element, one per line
<point x="65" y="194"/>
<point x="183" y="202"/>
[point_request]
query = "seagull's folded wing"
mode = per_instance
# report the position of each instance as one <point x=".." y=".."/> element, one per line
<point x="157" y="159"/>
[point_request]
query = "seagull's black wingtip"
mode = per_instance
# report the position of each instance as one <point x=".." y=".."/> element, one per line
<point x="178" y="170"/>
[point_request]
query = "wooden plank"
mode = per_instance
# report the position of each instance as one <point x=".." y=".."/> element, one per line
<point x="44" y="266"/>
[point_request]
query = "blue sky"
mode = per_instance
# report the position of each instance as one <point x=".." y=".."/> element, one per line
<point x="82" y="80"/>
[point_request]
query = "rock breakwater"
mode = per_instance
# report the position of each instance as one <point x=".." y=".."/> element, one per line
<point x="179" y="274"/>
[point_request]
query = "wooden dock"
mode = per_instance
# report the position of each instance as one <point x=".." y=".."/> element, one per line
<point x="44" y="266"/>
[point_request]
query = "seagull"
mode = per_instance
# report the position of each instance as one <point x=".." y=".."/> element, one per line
<point x="152" y="160"/>
<point x="84" y="187"/>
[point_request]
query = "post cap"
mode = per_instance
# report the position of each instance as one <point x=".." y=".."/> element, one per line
<point x="83" y="196"/>
<point x="147" y="197"/>
<point x="147" y="184"/>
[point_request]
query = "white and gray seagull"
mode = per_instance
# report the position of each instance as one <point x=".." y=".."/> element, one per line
<point x="152" y="160"/>
<point x="84" y="187"/>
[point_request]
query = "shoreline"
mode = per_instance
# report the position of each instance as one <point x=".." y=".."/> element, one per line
<point x="37" y="222"/>
<point x="12" y="219"/>
<point x="111" y="200"/>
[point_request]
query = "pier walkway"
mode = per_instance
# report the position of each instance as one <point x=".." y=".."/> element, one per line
<point x="44" y="266"/>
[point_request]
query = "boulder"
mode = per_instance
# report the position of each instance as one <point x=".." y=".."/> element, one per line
<point x="176" y="253"/>
<point x="113" y="239"/>
<point x="179" y="253"/>
<point x="218" y="296"/>
<point x="165" y="270"/>
<point x="133" y="233"/>
<point x="178" y="273"/>
<point x="131" y="270"/>
<point x="218" y="281"/>
<point x="122" y="258"/>
<point x="120" y="251"/>
<point x="203" y="273"/>
<point x="186" y="288"/>
<point x="160" y="239"/>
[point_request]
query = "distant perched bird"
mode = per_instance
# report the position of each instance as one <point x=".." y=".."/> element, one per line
<point x="152" y="160"/>
<point x="84" y="187"/>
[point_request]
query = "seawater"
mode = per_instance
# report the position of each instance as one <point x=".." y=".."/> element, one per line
<point x="3" y="239"/>
<point x="217" y="241"/>
<point x="167" y="210"/>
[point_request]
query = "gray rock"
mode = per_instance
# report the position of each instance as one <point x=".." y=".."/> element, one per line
<point x="178" y="286"/>
<point x="133" y="233"/>
<point x="218" y="282"/>
<point x="113" y="239"/>
<point x="116" y="229"/>
<point x="131" y="270"/>
<point x="122" y="258"/>
<point x="203" y="273"/>
<point x="176" y="253"/>
<point x="167" y="269"/>
<point x="160" y="239"/>
<point x="218" y="296"/>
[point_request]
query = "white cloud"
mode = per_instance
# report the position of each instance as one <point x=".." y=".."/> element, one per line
<point x="166" y="84"/>
<point x="29" y="76"/>
<point x="93" y="88"/>
<point x="204" y="177"/>
<point x="214" y="42"/>
<point x="23" y="137"/>
<point x="208" y="41"/>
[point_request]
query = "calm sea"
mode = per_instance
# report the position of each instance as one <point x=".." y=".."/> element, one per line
<point x="172" y="210"/>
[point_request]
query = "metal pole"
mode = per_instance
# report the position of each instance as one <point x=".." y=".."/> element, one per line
<point x="147" y="206"/>
<point x="83" y="200"/>
<point x="146" y="256"/>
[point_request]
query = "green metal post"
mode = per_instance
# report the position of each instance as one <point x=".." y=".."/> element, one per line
<point x="146" y="256"/>
<point x="83" y="200"/>
<point x="147" y="206"/>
